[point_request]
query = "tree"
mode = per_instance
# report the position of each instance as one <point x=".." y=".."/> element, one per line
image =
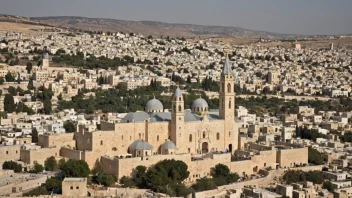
<point x="9" y="103"/>
<point x="328" y="185"/>
<point x="188" y="79"/>
<point x="30" y="84"/>
<point x="47" y="107"/>
<point x="204" y="184"/>
<point x="38" y="168"/>
<point x="12" y="90"/>
<point x="53" y="184"/>
<point x="11" y="165"/>
<point x="34" y="135"/>
<point x="69" y="127"/>
<point x="75" y="168"/>
<point x="9" y="77"/>
<point x="222" y="175"/>
<point x="105" y="179"/>
<point x="29" y="67"/>
<point x="41" y="190"/>
<point x="315" y="157"/>
<point x="165" y="173"/>
<point x="51" y="164"/>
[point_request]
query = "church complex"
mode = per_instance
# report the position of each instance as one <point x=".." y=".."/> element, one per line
<point x="198" y="136"/>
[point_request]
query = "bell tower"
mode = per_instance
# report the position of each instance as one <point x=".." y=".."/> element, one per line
<point x="227" y="105"/>
<point x="177" y="118"/>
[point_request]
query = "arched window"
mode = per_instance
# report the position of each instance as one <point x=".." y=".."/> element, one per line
<point x="157" y="138"/>
<point x="223" y="87"/>
<point x="122" y="137"/>
<point x="203" y="134"/>
<point x="190" y="138"/>
<point x="179" y="108"/>
<point x="218" y="136"/>
<point x="230" y="103"/>
<point x="229" y="88"/>
<point x="174" y="107"/>
<point x="101" y="142"/>
<point x="180" y="98"/>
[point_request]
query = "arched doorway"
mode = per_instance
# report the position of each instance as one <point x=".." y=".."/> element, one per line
<point x="205" y="147"/>
<point x="230" y="148"/>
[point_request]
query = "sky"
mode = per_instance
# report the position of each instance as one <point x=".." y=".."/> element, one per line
<point x="311" y="17"/>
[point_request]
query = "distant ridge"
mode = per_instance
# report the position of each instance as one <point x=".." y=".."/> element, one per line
<point x="152" y="27"/>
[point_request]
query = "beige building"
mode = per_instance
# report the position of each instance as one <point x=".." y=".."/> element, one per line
<point x="74" y="187"/>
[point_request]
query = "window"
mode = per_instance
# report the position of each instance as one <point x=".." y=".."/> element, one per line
<point x="179" y="108"/>
<point x="122" y="137"/>
<point x="114" y="149"/>
<point x="174" y="107"/>
<point x="130" y="137"/>
<point x="157" y="138"/>
<point x="223" y="87"/>
<point x="101" y="142"/>
<point x="190" y="138"/>
<point x="203" y="134"/>
<point x="7" y="152"/>
<point x="218" y="136"/>
<point x="223" y="103"/>
<point x="71" y="187"/>
<point x="179" y="118"/>
<point x="230" y="104"/>
<point x="180" y="99"/>
<point x="229" y="133"/>
<point x="77" y="187"/>
<point x="229" y="88"/>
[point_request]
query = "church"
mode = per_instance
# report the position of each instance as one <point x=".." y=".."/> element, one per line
<point x="195" y="131"/>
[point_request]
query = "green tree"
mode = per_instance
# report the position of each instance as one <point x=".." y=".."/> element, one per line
<point x="53" y="184"/>
<point x="328" y="185"/>
<point x="105" y="179"/>
<point x="204" y="184"/>
<point x="41" y="190"/>
<point x="30" y="84"/>
<point x="75" y="168"/>
<point x="47" y="107"/>
<point x="9" y="77"/>
<point x="165" y="173"/>
<point x="51" y="164"/>
<point x="11" y="165"/>
<point x="9" y="103"/>
<point x="29" y="67"/>
<point x="38" y="168"/>
<point x="315" y="157"/>
<point x="70" y="127"/>
<point x="34" y="135"/>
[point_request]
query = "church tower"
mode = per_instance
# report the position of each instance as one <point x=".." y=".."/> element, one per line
<point x="177" y="118"/>
<point x="227" y="106"/>
<point x="45" y="61"/>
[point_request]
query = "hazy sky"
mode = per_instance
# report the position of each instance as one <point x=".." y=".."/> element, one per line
<point x="281" y="16"/>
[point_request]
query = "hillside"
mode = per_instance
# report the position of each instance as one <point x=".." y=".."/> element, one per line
<point x="152" y="27"/>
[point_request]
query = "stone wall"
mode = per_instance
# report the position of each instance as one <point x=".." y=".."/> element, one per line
<point x="291" y="157"/>
<point x="58" y="140"/>
<point x="38" y="155"/>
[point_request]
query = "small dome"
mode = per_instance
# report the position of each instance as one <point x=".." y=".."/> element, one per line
<point x="141" y="145"/>
<point x="168" y="145"/>
<point x="199" y="103"/>
<point x="154" y="105"/>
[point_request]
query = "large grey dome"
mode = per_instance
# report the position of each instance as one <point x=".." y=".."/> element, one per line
<point x="154" y="105"/>
<point x="140" y="145"/>
<point x="200" y="102"/>
<point x="168" y="145"/>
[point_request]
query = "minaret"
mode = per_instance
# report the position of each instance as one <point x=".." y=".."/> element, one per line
<point x="227" y="106"/>
<point x="177" y="118"/>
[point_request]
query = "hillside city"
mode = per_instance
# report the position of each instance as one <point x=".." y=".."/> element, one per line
<point x="118" y="114"/>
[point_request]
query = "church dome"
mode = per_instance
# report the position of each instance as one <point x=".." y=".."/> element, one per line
<point x="168" y="145"/>
<point x="199" y="105"/>
<point x="154" y="105"/>
<point x="141" y="145"/>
